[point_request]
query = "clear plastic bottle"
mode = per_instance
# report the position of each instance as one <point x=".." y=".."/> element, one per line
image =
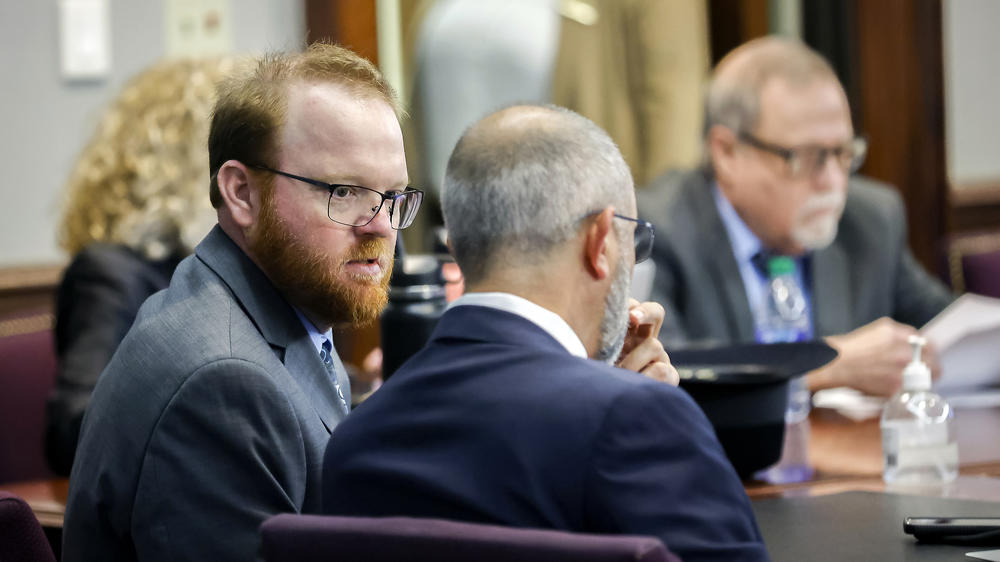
<point x="785" y="318"/>
<point x="918" y="434"/>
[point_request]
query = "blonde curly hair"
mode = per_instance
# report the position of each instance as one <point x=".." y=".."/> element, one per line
<point x="141" y="181"/>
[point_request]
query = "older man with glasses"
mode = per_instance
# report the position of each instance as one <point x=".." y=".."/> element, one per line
<point x="780" y="149"/>
<point x="216" y="409"/>
<point x="513" y="414"/>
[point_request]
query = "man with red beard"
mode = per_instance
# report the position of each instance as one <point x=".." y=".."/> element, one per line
<point x="215" y="410"/>
<point x="780" y="147"/>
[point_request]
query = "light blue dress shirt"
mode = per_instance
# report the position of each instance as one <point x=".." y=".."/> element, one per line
<point x="317" y="337"/>
<point x="745" y="246"/>
<point x="320" y="339"/>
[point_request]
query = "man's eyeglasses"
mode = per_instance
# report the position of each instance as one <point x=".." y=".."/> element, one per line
<point x="804" y="161"/>
<point x="643" y="236"/>
<point x="354" y="205"/>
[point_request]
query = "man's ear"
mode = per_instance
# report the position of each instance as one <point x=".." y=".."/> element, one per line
<point x="595" y="244"/>
<point x="722" y="147"/>
<point x="238" y="196"/>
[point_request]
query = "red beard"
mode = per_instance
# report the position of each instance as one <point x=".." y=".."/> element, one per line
<point x="308" y="277"/>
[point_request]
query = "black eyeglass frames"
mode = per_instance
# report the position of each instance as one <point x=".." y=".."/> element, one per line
<point x="806" y="160"/>
<point x="355" y="205"/>
<point x="643" y="236"/>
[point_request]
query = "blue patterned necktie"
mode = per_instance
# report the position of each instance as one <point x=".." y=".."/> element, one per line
<point x="325" y="353"/>
<point x="761" y="262"/>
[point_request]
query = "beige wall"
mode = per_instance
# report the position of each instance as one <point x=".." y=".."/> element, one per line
<point x="972" y="90"/>
<point x="45" y="120"/>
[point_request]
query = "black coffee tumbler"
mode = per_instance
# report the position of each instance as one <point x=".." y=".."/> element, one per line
<point x="416" y="302"/>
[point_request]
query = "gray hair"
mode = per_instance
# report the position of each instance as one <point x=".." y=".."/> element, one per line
<point x="519" y="181"/>
<point x="732" y="98"/>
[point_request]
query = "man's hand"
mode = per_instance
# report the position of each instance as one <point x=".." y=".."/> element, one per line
<point x="871" y="359"/>
<point x="643" y="352"/>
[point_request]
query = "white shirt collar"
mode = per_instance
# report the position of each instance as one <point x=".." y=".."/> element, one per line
<point x="552" y="323"/>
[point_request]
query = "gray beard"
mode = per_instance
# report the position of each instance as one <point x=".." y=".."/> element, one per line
<point x="812" y="240"/>
<point x="614" y="325"/>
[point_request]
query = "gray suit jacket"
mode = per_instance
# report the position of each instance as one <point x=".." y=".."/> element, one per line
<point x="866" y="273"/>
<point x="212" y="415"/>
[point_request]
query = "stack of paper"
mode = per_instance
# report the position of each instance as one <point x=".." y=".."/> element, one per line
<point x="967" y="338"/>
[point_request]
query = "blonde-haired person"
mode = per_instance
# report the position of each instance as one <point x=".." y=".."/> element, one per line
<point x="135" y="206"/>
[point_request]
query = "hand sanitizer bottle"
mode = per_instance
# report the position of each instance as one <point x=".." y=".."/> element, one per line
<point x="918" y="434"/>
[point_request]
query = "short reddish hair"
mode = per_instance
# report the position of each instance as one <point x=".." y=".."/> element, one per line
<point x="251" y="106"/>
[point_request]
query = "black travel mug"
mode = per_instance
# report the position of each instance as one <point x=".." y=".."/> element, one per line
<point x="416" y="302"/>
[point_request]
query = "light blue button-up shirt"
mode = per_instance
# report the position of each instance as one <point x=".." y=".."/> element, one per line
<point x="745" y="246"/>
<point x="317" y="337"/>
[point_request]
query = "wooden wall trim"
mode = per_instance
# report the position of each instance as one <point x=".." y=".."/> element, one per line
<point x="902" y="111"/>
<point x="30" y="277"/>
<point x="974" y="207"/>
<point x="734" y="22"/>
<point x="350" y="23"/>
<point x="26" y="290"/>
<point x="976" y="193"/>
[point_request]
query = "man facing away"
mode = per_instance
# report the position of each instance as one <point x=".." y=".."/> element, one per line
<point x="215" y="410"/>
<point x="502" y="418"/>
<point x="780" y="147"/>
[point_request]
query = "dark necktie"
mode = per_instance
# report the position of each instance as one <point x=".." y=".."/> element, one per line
<point x="326" y="354"/>
<point x="759" y="261"/>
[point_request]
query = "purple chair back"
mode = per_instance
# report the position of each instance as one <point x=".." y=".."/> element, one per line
<point x="974" y="263"/>
<point x="21" y="536"/>
<point x="309" y="538"/>
<point x="27" y="375"/>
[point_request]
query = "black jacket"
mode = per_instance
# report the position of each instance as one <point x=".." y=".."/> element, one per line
<point x="96" y="304"/>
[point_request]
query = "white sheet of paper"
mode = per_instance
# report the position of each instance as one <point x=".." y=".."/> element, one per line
<point x="992" y="555"/>
<point x="849" y="402"/>
<point x="967" y="338"/>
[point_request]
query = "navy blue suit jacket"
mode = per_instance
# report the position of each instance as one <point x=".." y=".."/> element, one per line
<point x="495" y="422"/>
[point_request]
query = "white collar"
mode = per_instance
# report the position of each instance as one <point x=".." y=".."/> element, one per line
<point x="552" y="323"/>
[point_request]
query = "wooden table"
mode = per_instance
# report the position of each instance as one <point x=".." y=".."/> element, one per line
<point x="847" y="455"/>
<point x="47" y="498"/>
